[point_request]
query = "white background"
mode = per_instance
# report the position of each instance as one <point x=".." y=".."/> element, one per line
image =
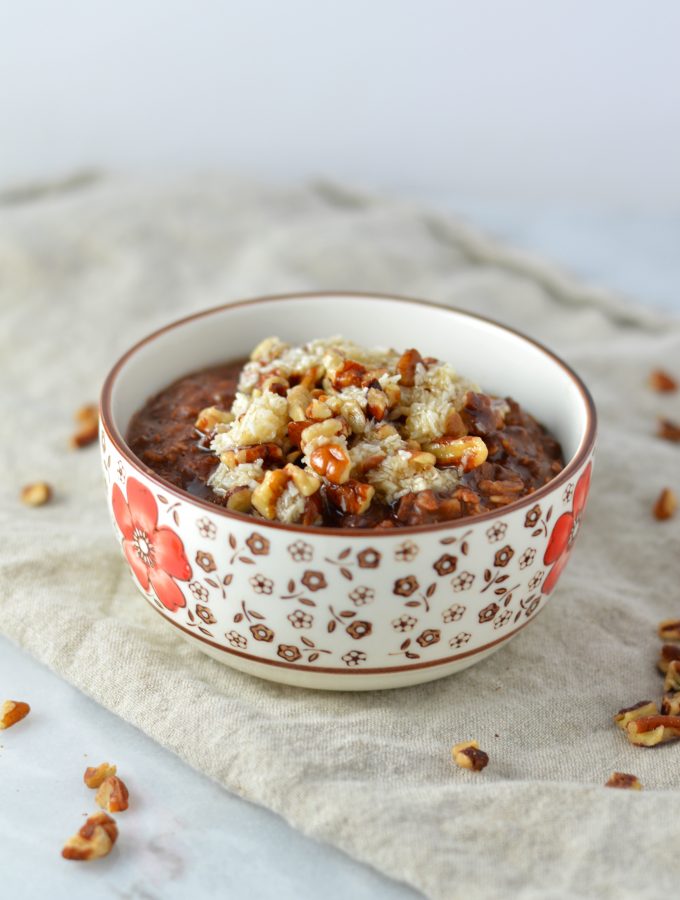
<point x="576" y="101"/>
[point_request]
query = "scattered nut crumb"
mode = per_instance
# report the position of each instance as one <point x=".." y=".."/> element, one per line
<point x="669" y="630"/>
<point x="652" y="730"/>
<point x="95" y="839"/>
<point x="630" y="713"/>
<point x="36" y="494"/>
<point x="13" y="711"/>
<point x="87" y="431"/>
<point x="669" y="652"/>
<point x="672" y="680"/>
<point x="662" y="382"/>
<point x="623" y="780"/>
<point x="666" y="505"/>
<point x="670" y="704"/>
<point x="669" y="431"/>
<point x="95" y="776"/>
<point x="112" y="795"/>
<point x="467" y="755"/>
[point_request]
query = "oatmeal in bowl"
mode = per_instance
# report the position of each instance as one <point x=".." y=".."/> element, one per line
<point x="378" y="507"/>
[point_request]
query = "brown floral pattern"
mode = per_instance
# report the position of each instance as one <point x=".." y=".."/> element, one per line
<point x="362" y="595"/>
<point x="314" y="581"/>
<point x="258" y="545"/>
<point x="359" y="629"/>
<point x="428" y="637"/>
<point x="535" y="580"/>
<point x="527" y="558"/>
<point x="204" y="613"/>
<point x="301" y="619"/>
<point x="206" y="561"/>
<point x="288" y="652"/>
<point x="237" y="640"/>
<point x="453" y="613"/>
<point x="354" y="658"/>
<point x="533" y="517"/>
<point x="261" y="584"/>
<point x="206" y="528"/>
<point x="489" y="612"/>
<point x="262" y="633"/>
<point x="460" y="640"/>
<point x="404" y="587"/>
<point x="496" y="532"/>
<point x="368" y="559"/>
<point x="404" y="623"/>
<point x="503" y="556"/>
<point x="198" y="591"/>
<point x="406" y="552"/>
<point x="463" y="582"/>
<point x="446" y="564"/>
<point x="300" y="551"/>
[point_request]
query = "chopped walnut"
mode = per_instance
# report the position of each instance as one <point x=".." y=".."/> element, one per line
<point x="652" y="730"/>
<point x="630" y="713"/>
<point x="662" y="382"/>
<point x="669" y="431"/>
<point x="36" y="494"/>
<point x="112" y="794"/>
<point x="87" y="431"/>
<point x="468" y="452"/>
<point x="666" y="505"/>
<point x="210" y="417"/>
<point x="94" y="840"/>
<point x="669" y="630"/>
<point x="672" y="680"/>
<point x="94" y="777"/>
<point x="669" y="652"/>
<point x="467" y="755"/>
<point x="623" y="780"/>
<point x="670" y="704"/>
<point x="13" y="711"/>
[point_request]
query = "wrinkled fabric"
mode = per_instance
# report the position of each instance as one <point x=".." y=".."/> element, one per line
<point x="85" y="272"/>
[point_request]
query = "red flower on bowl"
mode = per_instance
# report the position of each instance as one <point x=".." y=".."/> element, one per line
<point x="155" y="555"/>
<point x="564" y="533"/>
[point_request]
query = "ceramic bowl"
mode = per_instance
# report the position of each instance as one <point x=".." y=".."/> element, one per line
<point x="336" y="608"/>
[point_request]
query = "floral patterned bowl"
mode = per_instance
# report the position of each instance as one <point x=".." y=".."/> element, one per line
<point x="336" y="608"/>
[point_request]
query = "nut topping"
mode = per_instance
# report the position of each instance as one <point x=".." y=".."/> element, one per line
<point x="87" y="419"/>
<point x="36" y="494"/>
<point x="332" y="462"/>
<point x="210" y="417"/>
<point x="467" y="755"/>
<point x="94" y="777"/>
<point x="630" y="713"/>
<point x="669" y="652"/>
<point x="623" y="780"/>
<point x="652" y="730"/>
<point x="669" y="630"/>
<point x="112" y="795"/>
<point x="13" y="711"/>
<point x="662" y="382"/>
<point x="666" y="505"/>
<point x="406" y="366"/>
<point x="353" y="497"/>
<point x="468" y="452"/>
<point x="670" y="705"/>
<point x="94" y="840"/>
<point x="669" y="431"/>
<point x="672" y="680"/>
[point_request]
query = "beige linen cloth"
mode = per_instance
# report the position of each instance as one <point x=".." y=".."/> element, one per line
<point x="86" y="270"/>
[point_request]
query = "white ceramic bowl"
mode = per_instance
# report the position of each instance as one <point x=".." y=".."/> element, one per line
<point x="336" y="608"/>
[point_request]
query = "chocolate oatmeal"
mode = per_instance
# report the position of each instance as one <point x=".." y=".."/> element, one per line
<point x="335" y="434"/>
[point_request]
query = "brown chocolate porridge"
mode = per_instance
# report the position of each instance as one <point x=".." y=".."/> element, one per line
<point x="338" y="435"/>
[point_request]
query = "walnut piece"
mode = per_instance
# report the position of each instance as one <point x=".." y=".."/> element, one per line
<point x="94" y="840"/>
<point x="672" y="680"/>
<point x="669" y="630"/>
<point x="662" y="382"/>
<point x="666" y="505"/>
<point x="94" y="777"/>
<point x="332" y="462"/>
<point x="652" y="730"/>
<point x="669" y="431"/>
<point x="630" y="713"/>
<point x="467" y="755"/>
<point x="87" y="419"/>
<point x="669" y="652"/>
<point x="112" y="795"/>
<point x="13" y="711"/>
<point x="468" y="452"/>
<point x="36" y="494"/>
<point x="670" y="704"/>
<point x="623" y="780"/>
<point x="210" y="417"/>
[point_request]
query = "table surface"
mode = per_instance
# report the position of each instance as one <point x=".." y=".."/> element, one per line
<point x="187" y="835"/>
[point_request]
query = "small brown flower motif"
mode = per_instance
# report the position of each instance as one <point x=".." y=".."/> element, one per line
<point x="532" y="517"/>
<point x="568" y="493"/>
<point x="236" y="640"/>
<point x="206" y="528"/>
<point x="404" y="587"/>
<point x="261" y="585"/>
<point x="460" y="639"/>
<point x="258" y="545"/>
<point x="120" y="469"/>
<point x="300" y="619"/>
<point x="503" y="619"/>
<point x="362" y="595"/>
<point x="205" y="561"/>
<point x="404" y="623"/>
<point x="532" y="603"/>
<point x="406" y="552"/>
<point x="358" y="630"/>
<point x="262" y="633"/>
<point x="199" y="592"/>
<point x="535" y="580"/>
<point x="453" y="613"/>
<point x="488" y="613"/>
<point x="204" y="613"/>
<point x="496" y="532"/>
<point x="503" y="556"/>
<point x="354" y="658"/>
<point x="446" y="564"/>
<point x="463" y="582"/>
<point x="368" y="558"/>
<point x="527" y="558"/>
<point x="288" y="652"/>
<point x="300" y="551"/>
<point x="314" y="581"/>
<point x="428" y="637"/>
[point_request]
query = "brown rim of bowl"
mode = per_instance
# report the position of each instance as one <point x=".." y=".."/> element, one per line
<point x="584" y="450"/>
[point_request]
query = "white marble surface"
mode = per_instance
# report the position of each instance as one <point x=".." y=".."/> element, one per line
<point x="183" y="835"/>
